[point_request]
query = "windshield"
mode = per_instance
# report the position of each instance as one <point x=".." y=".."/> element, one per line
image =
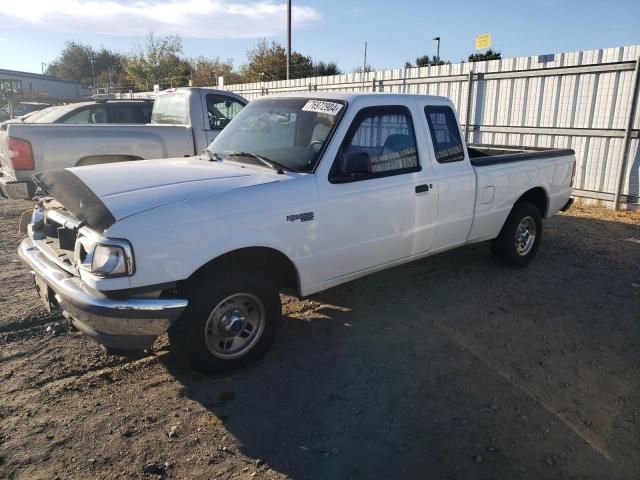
<point x="171" y="108"/>
<point x="290" y="132"/>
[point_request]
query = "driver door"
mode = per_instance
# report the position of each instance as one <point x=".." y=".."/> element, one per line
<point x="372" y="219"/>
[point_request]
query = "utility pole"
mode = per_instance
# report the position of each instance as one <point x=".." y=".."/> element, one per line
<point x="437" y="39"/>
<point x="109" y="86"/>
<point x="93" y="72"/>
<point x="364" y="64"/>
<point x="288" y="39"/>
<point x="42" y="65"/>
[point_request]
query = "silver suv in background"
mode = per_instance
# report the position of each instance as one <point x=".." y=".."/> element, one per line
<point x="183" y="122"/>
<point x="100" y="111"/>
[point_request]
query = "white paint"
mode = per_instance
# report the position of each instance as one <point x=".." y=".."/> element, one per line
<point x="180" y="214"/>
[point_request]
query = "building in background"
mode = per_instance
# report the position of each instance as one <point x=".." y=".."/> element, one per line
<point x="15" y="85"/>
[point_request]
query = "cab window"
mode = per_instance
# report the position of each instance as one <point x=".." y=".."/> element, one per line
<point x="221" y="110"/>
<point x="381" y="142"/>
<point x="124" y="113"/>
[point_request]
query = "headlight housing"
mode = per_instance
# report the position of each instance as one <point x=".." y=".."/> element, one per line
<point x="108" y="260"/>
<point x="103" y="257"/>
<point x="113" y="258"/>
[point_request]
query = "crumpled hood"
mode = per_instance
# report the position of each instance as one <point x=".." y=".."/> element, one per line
<point x="127" y="188"/>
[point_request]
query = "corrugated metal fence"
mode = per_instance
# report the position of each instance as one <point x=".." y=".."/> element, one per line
<point x="581" y="100"/>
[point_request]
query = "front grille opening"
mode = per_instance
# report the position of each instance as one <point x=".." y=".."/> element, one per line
<point x="66" y="238"/>
<point x="59" y="243"/>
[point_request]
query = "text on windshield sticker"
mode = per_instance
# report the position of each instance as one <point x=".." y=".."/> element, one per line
<point x="320" y="106"/>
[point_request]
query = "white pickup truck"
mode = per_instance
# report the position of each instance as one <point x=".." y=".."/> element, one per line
<point x="183" y="122"/>
<point x="298" y="193"/>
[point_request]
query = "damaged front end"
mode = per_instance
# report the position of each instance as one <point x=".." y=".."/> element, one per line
<point x="69" y="258"/>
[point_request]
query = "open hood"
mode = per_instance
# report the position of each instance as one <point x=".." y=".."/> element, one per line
<point x="100" y="195"/>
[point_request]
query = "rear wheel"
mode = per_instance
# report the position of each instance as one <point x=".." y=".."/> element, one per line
<point x="520" y="236"/>
<point x="231" y="320"/>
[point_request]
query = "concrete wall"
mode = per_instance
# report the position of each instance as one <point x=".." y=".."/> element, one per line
<point x="55" y="88"/>
<point x="579" y="100"/>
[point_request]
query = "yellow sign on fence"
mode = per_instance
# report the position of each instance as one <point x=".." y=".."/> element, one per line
<point x="483" y="41"/>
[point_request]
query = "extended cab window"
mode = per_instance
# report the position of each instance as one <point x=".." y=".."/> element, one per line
<point x="380" y="142"/>
<point x="445" y="134"/>
<point x="221" y="110"/>
<point x="88" y="115"/>
<point x="126" y="113"/>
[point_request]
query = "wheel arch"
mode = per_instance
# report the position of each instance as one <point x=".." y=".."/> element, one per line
<point x="538" y="196"/>
<point x="271" y="262"/>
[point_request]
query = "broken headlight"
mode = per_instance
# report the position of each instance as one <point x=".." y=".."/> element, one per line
<point x="112" y="258"/>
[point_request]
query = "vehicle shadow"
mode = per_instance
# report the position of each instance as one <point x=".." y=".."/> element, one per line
<point x="453" y="367"/>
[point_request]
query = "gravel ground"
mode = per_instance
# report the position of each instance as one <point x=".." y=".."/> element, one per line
<point x="452" y="367"/>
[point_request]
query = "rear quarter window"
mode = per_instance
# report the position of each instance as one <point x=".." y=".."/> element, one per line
<point x="445" y="134"/>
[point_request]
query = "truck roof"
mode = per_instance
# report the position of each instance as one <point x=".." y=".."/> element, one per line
<point x="202" y="89"/>
<point x="352" y="96"/>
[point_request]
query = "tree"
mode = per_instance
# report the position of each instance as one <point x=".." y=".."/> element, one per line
<point x="321" y="69"/>
<point x="205" y="71"/>
<point x="426" y="61"/>
<point x="158" y="63"/>
<point x="488" y="55"/>
<point x="74" y="63"/>
<point x="367" y="68"/>
<point x="423" y="61"/>
<point x="267" y="62"/>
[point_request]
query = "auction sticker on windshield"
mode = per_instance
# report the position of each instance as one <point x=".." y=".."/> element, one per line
<point x="321" y="106"/>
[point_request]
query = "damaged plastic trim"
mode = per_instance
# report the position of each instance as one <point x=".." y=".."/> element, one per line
<point x="76" y="197"/>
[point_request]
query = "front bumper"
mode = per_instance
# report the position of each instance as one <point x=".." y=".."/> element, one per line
<point x="16" y="189"/>
<point x="125" y="324"/>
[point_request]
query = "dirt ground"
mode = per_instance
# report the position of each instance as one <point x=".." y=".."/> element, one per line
<point x="453" y="367"/>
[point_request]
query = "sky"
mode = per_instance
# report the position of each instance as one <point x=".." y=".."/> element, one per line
<point x="34" y="31"/>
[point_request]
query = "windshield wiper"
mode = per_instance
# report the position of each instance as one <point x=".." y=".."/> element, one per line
<point x="213" y="156"/>
<point x="278" y="167"/>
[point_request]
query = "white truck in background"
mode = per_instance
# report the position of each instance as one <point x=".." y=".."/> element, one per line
<point x="183" y="122"/>
<point x="299" y="193"/>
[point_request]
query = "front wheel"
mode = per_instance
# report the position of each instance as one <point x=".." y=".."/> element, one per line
<point x="520" y="236"/>
<point x="231" y="320"/>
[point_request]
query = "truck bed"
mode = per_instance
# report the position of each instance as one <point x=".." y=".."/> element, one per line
<point x="509" y="172"/>
<point x="482" y="155"/>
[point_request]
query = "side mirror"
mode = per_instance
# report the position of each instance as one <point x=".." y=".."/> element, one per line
<point x="357" y="163"/>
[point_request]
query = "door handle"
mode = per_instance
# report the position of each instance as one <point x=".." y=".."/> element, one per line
<point x="422" y="188"/>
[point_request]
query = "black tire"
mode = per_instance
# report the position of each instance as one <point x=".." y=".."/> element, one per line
<point x="505" y="247"/>
<point x="205" y="293"/>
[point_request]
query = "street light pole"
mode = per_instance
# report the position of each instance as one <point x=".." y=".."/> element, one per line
<point x="288" y="39"/>
<point x="364" y="65"/>
<point x="437" y="39"/>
